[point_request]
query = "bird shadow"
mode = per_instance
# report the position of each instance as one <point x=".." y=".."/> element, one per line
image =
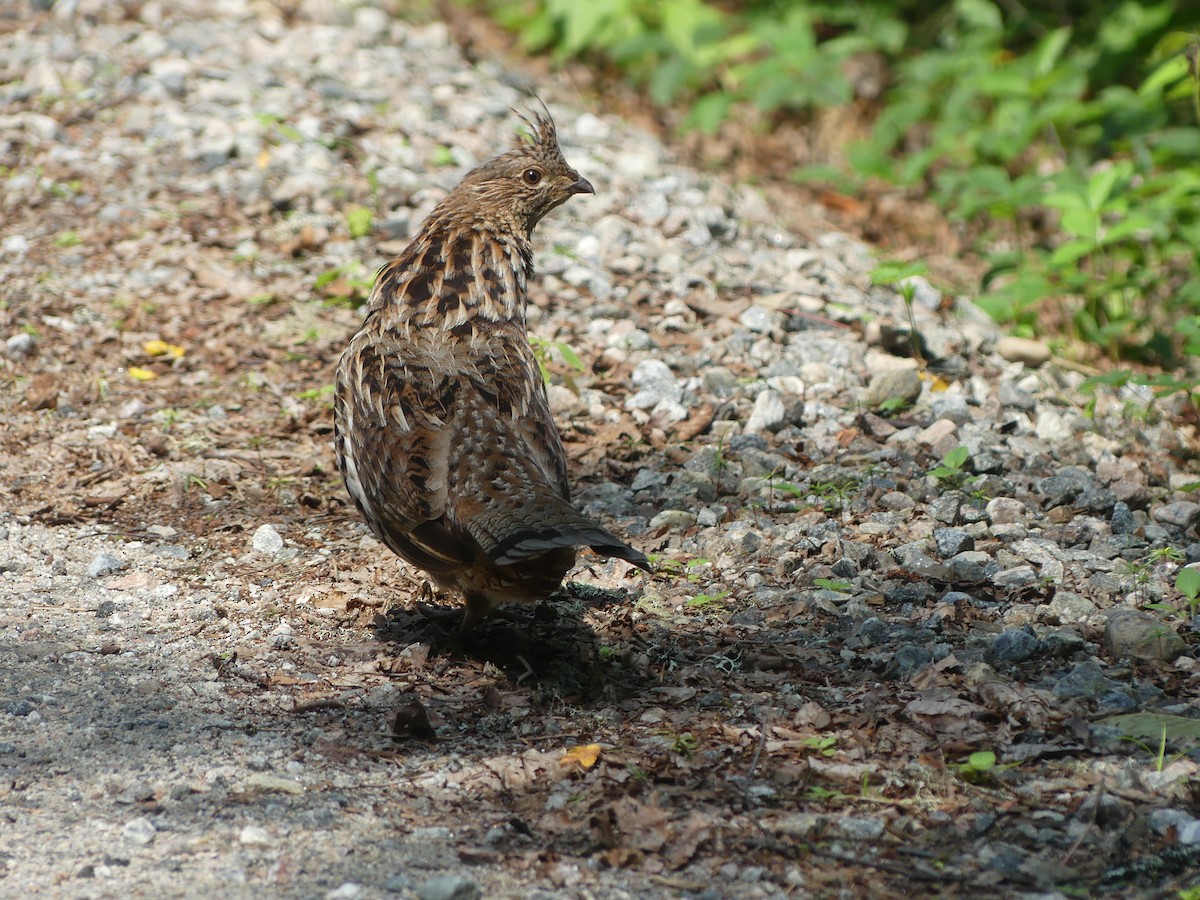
<point x="550" y="645"/>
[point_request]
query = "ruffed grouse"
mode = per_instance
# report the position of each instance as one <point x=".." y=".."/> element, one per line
<point x="443" y="431"/>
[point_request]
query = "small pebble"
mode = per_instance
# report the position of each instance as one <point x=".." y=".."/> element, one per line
<point x="140" y="830"/>
<point x="104" y="564"/>
<point x="449" y="887"/>
<point x="255" y="836"/>
<point x="267" y="540"/>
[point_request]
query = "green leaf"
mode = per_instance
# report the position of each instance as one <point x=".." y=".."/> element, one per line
<point x="892" y="271"/>
<point x="956" y="458"/>
<point x="360" y="221"/>
<point x="570" y="356"/>
<point x="327" y="277"/>
<point x="982" y="760"/>
<point x="1187" y="582"/>
<point x="1049" y="50"/>
<point x="709" y="112"/>
<point x="1067" y="253"/>
<point x="1173" y="70"/>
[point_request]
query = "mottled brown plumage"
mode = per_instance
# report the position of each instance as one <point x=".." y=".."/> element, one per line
<point x="442" y="428"/>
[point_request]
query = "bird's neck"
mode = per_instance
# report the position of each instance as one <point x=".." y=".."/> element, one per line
<point x="457" y="272"/>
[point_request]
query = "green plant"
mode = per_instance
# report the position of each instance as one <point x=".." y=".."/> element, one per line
<point x="702" y="600"/>
<point x="834" y="494"/>
<point x="950" y="470"/>
<point x="825" y="746"/>
<point x="1063" y="138"/>
<point x="68" y="239"/>
<point x="347" y="285"/>
<point x="981" y="766"/>
<point x="833" y="584"/>
<point x="359" y="221"/>
<point x="316" y="393"/>
<point x="902" y="274"/>
<point x="684" y="744"/>
<point x="894" y="405"/>
<point x="543" y="352"/>
<point x="277" y="129"/>
<point x="1187" y="582"/>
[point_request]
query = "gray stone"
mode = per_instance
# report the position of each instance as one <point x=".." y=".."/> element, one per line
<point x="970" y="566"/>
<point x="719" y="381"/>
<point x="673" y="520"/>
<point x="449" y="887"/>
<point x="1180" y="514"/>
<point x="255" y="836"/>
<point x="1132" y="632"/>
<point x="687" y="487"/>
<point x="858" y="828"/>
<point x="1012" y="396"/>
<point x="952" y="407"/>
<point x="1054" y="427"/>
<point x="1122" y="520"/>
<point x="893" y="384"/>
<point x="1063" y="642"/>
<point x="20" y="345"/>
<point x="655" y="383"/>
<point x="952" y="541"/>
<point x="1100" y="501"/>
<point x="1069" y="608"/>
<point x="1006" y="511"/>
<point x="139" y="831"/>
<point x="1023" y="350"/>
<point x="1013" y="646"/>
<point x="267" y="540"/>
<point x="1086" y="679"/>
<point x="1018" y="576"/>
<point x="1064" y="487"/>
<point x="947" y="508"/>
<point x="907" y="661"/>
<point x="769" y="413"/>
<point x="104" y="564"/>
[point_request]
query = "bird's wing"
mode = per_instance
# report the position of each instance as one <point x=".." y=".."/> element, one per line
<point x="508" y="467"/>
<point x="392" y="407"/>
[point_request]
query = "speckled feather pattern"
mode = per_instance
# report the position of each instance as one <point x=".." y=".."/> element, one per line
<point x="443" y="432"/>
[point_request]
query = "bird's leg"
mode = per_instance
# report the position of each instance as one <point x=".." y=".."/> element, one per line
<point x="431" y="605"/>
<point x="477" y="608"/>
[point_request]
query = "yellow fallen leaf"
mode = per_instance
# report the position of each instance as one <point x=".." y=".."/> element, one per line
<point x="264" y="158"/>
<point x="584" y="754"/>
<point x="162" y="348"/>
<point x="140" y="374"/>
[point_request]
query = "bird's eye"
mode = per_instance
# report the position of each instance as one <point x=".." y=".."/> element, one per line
<point x="531" y="176"/>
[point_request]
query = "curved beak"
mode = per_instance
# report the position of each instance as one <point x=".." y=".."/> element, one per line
<point x="581" y="185"/>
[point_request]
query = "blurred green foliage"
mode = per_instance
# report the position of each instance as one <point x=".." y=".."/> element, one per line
<point x="1064" y="134"/>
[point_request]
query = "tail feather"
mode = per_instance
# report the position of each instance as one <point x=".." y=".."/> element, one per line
<point x="546" y="525"/>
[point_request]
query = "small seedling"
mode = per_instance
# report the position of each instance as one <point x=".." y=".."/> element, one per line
<point x="315" y="393"/>
<point x="832" y="584"/>
<point x="950" y="470"/>
<point x="891" y="272"/>
<point x="894" y="405"/>
<point x="826" y="746"/>
<point x="1187" y="582"/>
<point x="359" y="221"/>
<point x="702" y="600"/>
<point x="543" y="352"/>
<point x="981" y="766"/>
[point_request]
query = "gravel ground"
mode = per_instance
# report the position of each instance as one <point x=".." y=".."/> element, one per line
<point x="211" y="683"/>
